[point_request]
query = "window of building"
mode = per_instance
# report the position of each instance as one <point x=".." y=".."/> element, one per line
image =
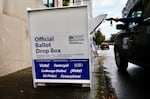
<point x="48" y="3"/>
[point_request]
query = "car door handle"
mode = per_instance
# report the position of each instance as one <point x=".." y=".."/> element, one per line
<point x="131" y="40"/>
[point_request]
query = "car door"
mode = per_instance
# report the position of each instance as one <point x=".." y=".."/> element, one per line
<point x="139" y="39"/>
<point x="146" y="17"/>
<point x="138" y="44"/>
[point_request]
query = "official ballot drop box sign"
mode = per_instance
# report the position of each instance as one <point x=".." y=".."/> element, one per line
<point x="60" y="45"/>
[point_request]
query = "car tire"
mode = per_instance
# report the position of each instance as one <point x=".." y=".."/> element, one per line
<point x="121" y="60"/>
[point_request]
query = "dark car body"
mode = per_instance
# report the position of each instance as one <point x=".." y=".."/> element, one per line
<point x="132" y="43"/>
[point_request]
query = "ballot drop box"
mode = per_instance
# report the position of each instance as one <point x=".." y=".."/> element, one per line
<point x="60" y="45"/>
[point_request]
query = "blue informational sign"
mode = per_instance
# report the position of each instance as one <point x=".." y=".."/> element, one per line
<point x="62" y="69"/>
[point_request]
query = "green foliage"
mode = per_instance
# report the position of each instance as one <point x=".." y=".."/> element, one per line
<point x="112" y="38"/>
<point x="99" y="38"/>
<point x="66" y="2"/>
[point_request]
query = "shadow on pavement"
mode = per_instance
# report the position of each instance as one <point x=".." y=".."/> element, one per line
<point x="19" y="86"/>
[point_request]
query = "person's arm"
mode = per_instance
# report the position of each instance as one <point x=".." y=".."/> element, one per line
<point x="126" y="20"/>
<point x="130" y="19"/>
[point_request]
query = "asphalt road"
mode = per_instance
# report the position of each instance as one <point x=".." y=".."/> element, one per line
<point x="133" y="84"/>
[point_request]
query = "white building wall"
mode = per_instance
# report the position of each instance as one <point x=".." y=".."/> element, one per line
<point x="14" y="37"/>
<point x="1" y="6"/>
<point x="60" y="3"/>
<point x="14" y="33"/>
<point x="89" y="4"/>
<point x="17" y="8"/>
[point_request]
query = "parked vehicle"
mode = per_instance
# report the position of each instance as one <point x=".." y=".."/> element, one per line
<point x="132" y="43"/>
<point x="104" y="46"/>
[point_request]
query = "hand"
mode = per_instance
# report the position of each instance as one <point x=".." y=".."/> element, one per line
<point x="116" y="19"/>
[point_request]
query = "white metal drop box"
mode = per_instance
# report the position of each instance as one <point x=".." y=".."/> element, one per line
<point x="60" y="45"/>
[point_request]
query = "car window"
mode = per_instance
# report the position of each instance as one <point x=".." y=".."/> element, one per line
<point x="136" y="11"/>
<point x="135" y="14"/>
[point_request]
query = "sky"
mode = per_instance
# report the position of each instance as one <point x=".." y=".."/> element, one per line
<point x="112" y="8"/>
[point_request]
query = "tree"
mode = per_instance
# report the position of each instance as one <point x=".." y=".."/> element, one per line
<point x="112" y="38"/>
<point x="99" y="38"/>
<point x="66" y="2"/>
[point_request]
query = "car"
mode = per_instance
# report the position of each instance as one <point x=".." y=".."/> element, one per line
<point x="132" y="42"/>
<point x="104" y="46"/>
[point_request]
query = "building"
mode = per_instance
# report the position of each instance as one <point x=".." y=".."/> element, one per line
<point x="14" y="33"/>
<point x="59" y="3"/>
<point x="14" y="37"/>
<point x="129" y="5"/>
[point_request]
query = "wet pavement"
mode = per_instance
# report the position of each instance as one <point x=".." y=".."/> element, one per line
<point x="18" y="85"/>
<point x="132" y="84"/>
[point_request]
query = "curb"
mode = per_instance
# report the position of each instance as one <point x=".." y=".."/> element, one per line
<point x="105" y="89"/>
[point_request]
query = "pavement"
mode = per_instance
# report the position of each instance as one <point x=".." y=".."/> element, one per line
<point x="19" y="85"/>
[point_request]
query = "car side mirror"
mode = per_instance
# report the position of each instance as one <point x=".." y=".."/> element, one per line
<point x="146" y="21"/>
<point x="121" y="26"/>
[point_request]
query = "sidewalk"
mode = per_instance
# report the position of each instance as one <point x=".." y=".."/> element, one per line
<point x="18" y="85"/>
